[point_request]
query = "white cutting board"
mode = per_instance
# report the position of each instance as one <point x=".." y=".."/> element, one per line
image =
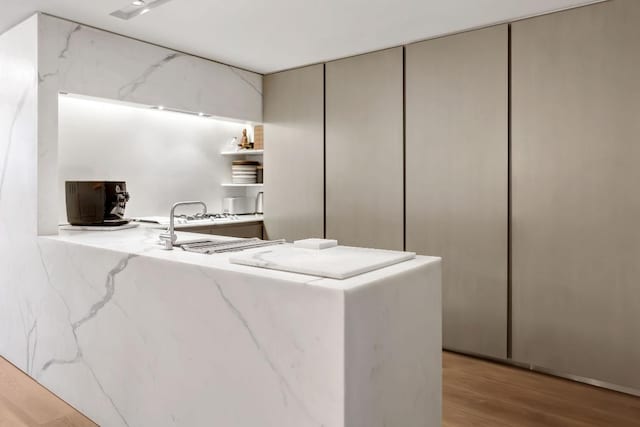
<point x="339" y="262"/>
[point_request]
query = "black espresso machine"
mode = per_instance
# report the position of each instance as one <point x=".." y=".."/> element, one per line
<point x="96" y="203"/>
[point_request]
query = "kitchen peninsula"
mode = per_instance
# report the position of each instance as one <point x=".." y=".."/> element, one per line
<point x="142" y="336"/>
<point x="133" y="335"/>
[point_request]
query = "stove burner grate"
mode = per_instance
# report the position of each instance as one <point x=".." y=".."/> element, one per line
<point x="204" y="216"/>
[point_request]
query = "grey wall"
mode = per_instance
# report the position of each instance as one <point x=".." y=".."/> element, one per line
<point x="21" y="271"/>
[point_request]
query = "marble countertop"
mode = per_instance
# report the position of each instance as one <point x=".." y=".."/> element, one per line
<point x="143" y="241"/>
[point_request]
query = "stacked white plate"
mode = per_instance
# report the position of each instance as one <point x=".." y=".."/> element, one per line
<point x="244" y="172"/>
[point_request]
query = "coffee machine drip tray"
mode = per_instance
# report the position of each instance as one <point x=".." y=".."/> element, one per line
<point x="107" y="227"/>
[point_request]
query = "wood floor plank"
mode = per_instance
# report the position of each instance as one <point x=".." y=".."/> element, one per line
<point x="11" y="415"/>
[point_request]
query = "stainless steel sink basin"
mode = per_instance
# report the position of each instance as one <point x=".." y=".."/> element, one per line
<point x="216" y="246"/>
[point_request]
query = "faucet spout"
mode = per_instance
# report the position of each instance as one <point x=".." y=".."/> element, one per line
<point x="168" y="238"/>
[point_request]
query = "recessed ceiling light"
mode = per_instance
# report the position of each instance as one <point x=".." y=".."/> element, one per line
<point x="135" y="8"/>
<point x="160" y="107"/>
<point x="201" y="114"/>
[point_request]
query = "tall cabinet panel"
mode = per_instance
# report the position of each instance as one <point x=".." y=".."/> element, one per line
<point x="364" y="166"/>
<point x="457" y="179"/>
<point x="294" y="165"/>
<point x="576" y="197"/>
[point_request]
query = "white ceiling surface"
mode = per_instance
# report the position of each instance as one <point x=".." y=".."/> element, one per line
<point x="272" y="35"/>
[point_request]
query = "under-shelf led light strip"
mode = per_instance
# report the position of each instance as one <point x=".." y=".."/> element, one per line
<point x="174" y="110"/>
<point x="153" y="107"/>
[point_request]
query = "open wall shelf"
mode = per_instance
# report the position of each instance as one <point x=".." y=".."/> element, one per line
<point x="243" y="153"/>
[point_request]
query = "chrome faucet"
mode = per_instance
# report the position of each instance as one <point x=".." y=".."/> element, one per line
<point x="168" y="238"/>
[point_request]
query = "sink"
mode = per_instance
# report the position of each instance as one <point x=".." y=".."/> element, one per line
<point x="216" y="246"/>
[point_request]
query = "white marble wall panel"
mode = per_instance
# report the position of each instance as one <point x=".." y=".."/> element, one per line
<point x="97" y="63"/>
<point x="19" y="269"/>
<point x="393" y="370"/>
<point x="132" y="340"/>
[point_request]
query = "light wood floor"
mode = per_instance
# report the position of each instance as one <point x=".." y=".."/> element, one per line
<point x="483" y="394"/>
<point x="476" y="393"/>
<point x="24" y="403"/>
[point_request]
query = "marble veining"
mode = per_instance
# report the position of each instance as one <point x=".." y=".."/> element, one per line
<point x="16" y="115"/>
<point x="237" y="72"/>
<point x="104" y="392"/>
<point x="93" y="310"/>
<point x="61" y="55"/>
<point x="125" y="91"/>
<point x="31" y="338"/>
<point x="92" y="62"/>
<point x="75" y="326"/>
<point x="286" y="387"/>
<point x="43" y="77"/>
<point x="287" y="391"/>
<point x="67" y="42"/>
<point x="109" y="291"/>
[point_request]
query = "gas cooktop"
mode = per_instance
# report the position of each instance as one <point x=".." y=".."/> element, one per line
<point x="187" y="219"/>
<point x="195" y="219"/>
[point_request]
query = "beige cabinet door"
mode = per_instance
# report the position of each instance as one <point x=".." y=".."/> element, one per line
<point x="364" y="154"/>
<point x="457" y="179"/>
<point x="248" y="230"/>
<point x="576" y="202"/>
<point x="294" y="153"/>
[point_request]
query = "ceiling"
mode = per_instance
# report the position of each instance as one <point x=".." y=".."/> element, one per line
<point x="272" y="35"/>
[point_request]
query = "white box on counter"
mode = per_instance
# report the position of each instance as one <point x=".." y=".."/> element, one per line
<point x="239" y="205"/>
